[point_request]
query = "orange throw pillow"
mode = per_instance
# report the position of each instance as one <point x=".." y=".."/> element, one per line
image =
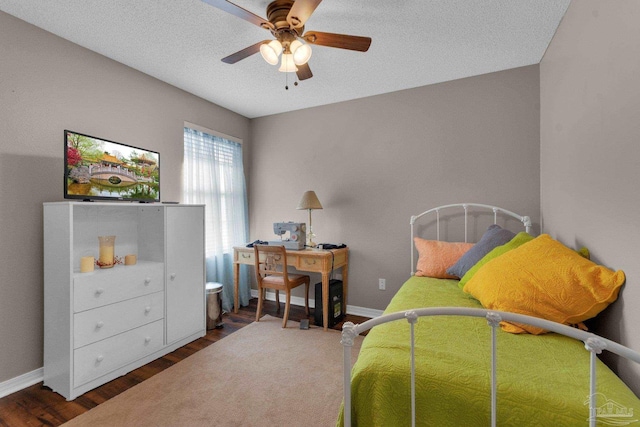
<point x="434" y="257"/>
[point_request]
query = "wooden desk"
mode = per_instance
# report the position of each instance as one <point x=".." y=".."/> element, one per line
<point x="311" y="260"/>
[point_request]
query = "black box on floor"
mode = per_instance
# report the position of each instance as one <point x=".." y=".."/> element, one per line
<point x="336" y="307"/>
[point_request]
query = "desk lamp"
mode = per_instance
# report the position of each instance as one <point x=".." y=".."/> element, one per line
<point x="310" y="201"/>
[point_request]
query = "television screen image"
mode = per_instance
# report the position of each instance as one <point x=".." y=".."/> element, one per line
<point x="100" y="169"/>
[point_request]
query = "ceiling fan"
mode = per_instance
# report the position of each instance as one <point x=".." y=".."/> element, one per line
<point x="285" y="21"/>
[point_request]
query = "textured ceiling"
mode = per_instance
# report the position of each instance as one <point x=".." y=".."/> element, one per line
<point x="415" y="43"/>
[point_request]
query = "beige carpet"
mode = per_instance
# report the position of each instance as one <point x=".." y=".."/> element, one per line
<point x="261" y="375"/>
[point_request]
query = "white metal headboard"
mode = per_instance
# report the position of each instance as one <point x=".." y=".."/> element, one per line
<point x="525" y="220"/>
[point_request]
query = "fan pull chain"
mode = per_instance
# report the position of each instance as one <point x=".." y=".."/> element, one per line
<point x="286" y="82"/>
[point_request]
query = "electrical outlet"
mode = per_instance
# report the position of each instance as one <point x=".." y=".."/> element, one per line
<point x="382" y="284"/>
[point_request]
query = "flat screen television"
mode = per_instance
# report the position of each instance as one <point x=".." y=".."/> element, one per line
<point x="99" y="169"/>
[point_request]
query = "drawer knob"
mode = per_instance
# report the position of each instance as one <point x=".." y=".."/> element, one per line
<point x="173" y="276"/>
<point x="147" y="309"/>
<point x="246" y="256"/>
<point x="99" y="358"/>
<point x="147" y="340"/>
<point x="99" y="291"/>
<point x="100" y="324"/>
<point x="147" y="280"/>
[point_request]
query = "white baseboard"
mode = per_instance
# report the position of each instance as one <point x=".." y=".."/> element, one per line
<point x="23" y="381"/>
<point x="364" y="311"/>
<point x="351" y="309"/>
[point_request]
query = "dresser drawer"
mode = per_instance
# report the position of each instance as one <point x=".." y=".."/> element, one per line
<point x="102" y="357"/>
<point x="94" y="325"/>
<point x="102" y="287"/>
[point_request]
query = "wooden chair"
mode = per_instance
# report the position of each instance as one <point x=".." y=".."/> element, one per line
<point x="271" y="273"/>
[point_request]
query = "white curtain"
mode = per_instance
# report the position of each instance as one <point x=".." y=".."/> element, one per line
<point x="214" y="176"/>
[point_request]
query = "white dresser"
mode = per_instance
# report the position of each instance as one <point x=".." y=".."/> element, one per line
<point x="102" y="324"/>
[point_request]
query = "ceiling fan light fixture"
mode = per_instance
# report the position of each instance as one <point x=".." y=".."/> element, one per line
<point x="301" y="52"/>
<point x="286" y="21"/>
<point x="287" y="65"/>
<point x="271" y="51"/>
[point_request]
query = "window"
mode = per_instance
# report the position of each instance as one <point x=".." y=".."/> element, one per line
<point x="214" y="176"/>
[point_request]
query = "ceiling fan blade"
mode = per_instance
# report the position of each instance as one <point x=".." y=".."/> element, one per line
<point x="301" y="11"/>
<point x="244" y="53"/>
<point x="304" y="72"/>
<point x="236" y="10"/>
<point x="341" y="41"/>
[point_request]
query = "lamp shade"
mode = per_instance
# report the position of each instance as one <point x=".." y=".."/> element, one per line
<point x="301" y="52"/>
<point x="309" y="201"/>
<point x="287" y="64"/>
<point x="271" y="51"/>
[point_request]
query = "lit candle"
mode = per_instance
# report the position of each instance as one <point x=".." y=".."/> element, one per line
<point x="106" y="251"/>
<point x="86" y="264"/>
<point x="106" y="255"/>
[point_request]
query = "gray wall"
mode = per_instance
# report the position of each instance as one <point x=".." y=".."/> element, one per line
<point x="590" y="150"/>
<point x="47" y="85"/>
<point x="374" y="162"/>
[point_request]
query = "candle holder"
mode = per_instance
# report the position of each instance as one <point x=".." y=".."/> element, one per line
<point x="106" y="259"/>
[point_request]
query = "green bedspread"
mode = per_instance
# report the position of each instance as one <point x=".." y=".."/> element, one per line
<point x="542" y="380"/>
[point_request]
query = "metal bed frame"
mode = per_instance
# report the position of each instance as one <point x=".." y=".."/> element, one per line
<point x="592" y="343"/>
<point x="525" y="220"/>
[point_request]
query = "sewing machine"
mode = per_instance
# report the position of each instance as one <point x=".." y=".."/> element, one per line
<point x="297" y="234"/>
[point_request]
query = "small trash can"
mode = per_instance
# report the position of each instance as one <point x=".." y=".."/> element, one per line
<point x="214" y="305"/>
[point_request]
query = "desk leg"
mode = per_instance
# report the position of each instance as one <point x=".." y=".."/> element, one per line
<point x="325" y="300"/>
<point x="236" y="279"/>
<point x="345" y="283"/>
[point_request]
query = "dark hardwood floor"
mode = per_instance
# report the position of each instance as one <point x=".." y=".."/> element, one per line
<point x="39" y="406"/>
